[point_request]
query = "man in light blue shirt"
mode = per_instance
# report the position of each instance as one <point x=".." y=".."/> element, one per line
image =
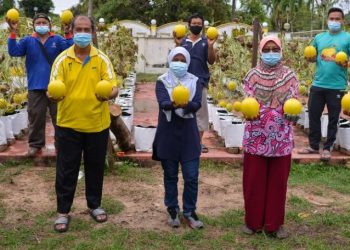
<point x="329" y="83"/>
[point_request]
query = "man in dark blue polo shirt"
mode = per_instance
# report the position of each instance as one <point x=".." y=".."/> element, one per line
<point x="40" y="49"/>
<point x="202" y="52"/>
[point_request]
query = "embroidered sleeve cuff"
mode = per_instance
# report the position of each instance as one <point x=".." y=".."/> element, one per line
<point x="12" y="35"/>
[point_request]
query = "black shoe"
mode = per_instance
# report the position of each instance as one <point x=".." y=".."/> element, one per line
<point x="193" y="221"/>
<point x="173" y="220"/>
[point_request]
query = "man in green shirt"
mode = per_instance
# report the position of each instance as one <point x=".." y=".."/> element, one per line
<point x="329" y="83"/>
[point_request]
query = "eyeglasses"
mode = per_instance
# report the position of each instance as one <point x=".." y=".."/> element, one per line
<point x="267" y="50"/>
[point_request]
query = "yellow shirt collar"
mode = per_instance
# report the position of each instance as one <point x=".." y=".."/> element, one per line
<point x="71" y="53"/>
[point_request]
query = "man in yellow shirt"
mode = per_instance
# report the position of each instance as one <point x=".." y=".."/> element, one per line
<point x="83" y="122"/>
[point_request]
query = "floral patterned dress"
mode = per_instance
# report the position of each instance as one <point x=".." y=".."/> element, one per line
<point x="271" y="135"/>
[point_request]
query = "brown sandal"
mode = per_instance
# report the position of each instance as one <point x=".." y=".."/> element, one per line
<point x="62" y="220"/>
<point x="308" y="150"/>
<point x="326" y="155"/>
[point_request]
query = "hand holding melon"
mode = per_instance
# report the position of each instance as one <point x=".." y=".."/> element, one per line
<point x="12" y="18"/>
<point x="66" y="20"/>
<point x="310" y="53"/>
<point x="181" y="96"/>
<point x="56" y="90"/>
<point x="292" y="109"/>
<point x="250" y="108"/>
<point x="341" y="58"/>
<point x="103" y="90"/>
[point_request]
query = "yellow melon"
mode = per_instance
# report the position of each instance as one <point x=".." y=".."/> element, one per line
<point x="219" y="95"/>
<point x="3" y="103"/>
<point x="180" y="30"/>
<point x="237" y="106"/>
<point x="104" y="88"/>
<point x="345" y="102"/>
<point x="229" y="107"/>
<point x="56" y="89"/>
<point x="310" y="52"/>
<point x="341" y="57"/>
<point x="212" y="33"/>
<point x="292" y="107"/>
<point x="232" y="85"/>
<point x="17" y="98"/>
<point x="329" y="52"/>
<point x="222" y="104"/>
<point x="302" y="90"/>
<point x="10" y="108"/>
<point x="250" y="108"/>
<point x="13" y="15"/>
<point x="66" y="17"/>
<point x="181" y="95"/>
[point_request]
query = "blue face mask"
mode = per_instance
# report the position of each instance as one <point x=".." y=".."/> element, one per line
<point x="271" y="58"/>
<point x="42" y="30"/>
<point x="179" y="69"/>
<point x="82" y="39"/>
<point x="334" y="26"/>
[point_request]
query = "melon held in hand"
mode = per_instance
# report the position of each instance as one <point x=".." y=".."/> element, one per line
<point x="250" y="108"/>
<point x="341" y="57"/>
<point x="310" y="52"/>
<point x="181" y="95"/>
<point x="292" y="107"/>
<point x="212" y="33"/>
<point x="104" y="89"/>
<point x="56" y="89"/>
<point x="66" y="17"/>
<point x="13" y="15"/>
<point x="180" y="30"/>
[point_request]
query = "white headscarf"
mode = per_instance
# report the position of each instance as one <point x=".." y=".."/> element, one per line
<point x="170" y="81"/>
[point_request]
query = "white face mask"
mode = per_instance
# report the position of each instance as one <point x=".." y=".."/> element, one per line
<point x="334" y="26"/>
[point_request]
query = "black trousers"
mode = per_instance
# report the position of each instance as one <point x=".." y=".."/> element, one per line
<point x="318" y="98"/>
<point x="71" y="146"/>
<point x="37" y="107"/>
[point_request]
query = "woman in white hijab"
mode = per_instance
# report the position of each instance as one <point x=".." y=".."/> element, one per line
<point x="177" y="138"/>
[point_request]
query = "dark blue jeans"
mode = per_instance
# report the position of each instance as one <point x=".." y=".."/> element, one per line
<point x="190" y="172"/>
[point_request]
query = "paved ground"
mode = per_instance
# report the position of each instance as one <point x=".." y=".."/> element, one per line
<point x="146" y="113"/>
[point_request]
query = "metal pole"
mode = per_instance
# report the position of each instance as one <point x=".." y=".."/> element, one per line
<point x="256" y="34"/>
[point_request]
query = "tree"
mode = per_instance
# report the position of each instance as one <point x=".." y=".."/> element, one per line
<point x="164" y="11"/>
<point x="44" y="6"/>
<point x="251" y="9"/>
<point x="5" y="5"/>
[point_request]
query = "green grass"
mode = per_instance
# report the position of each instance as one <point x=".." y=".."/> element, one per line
<point x="322" y="228"/>
<point x="2" y="209"/>
<point x="111" y="205"/>
<point x="214" y="167"/>
<point x="228" y="219"/>
<point x="129" y="171"/>
<point x="221" y="232"/>
<point x="145" y="77"/>
<point x="333" y="177"/>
